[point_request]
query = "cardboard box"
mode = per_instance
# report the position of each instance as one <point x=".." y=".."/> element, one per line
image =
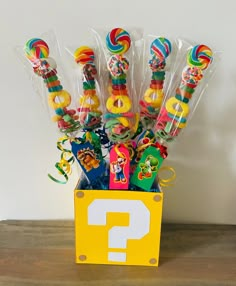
<point x="118" y="227"/>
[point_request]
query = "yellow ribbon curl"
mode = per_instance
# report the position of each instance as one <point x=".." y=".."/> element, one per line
<point x="169" y="181"/>
<point x="64" y="165"/>
<point x="129" y="146"/>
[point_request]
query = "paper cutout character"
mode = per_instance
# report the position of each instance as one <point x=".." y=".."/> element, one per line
<point x="88" y="159"/>
<point x="148" y="167"/>
<point x="117" y="167"/>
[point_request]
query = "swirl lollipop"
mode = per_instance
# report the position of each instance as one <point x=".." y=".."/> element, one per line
<point x="37" y="51"/>
<point x="160" y="48"/>
<point x="84" y="55"/>
<point x="173" y="116"/>
<point x="153" y="96"/>
<point x="118" y="41"/>
<point x="199" y="56"/>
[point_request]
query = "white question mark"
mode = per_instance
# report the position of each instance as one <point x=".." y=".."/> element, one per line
<point x="139" y="222"/>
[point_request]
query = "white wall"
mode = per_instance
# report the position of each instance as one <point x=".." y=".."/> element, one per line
<point x="204" y="156"/>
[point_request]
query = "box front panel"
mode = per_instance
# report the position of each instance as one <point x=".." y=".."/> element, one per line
<point x="118" y="227"/>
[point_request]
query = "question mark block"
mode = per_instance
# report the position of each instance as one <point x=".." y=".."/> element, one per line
<point x="118" y="227"/>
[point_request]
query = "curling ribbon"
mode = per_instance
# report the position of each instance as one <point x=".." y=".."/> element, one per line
<point x="169" y="181"/>
<point x="64" y="165"/>
<point x="128" y="145"/>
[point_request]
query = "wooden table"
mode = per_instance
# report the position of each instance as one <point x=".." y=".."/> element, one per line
<point x="42" y="253"/>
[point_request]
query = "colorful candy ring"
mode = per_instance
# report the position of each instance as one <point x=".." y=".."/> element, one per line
<point x="64" y="95"/>
<point x="90" y="92"/>
<point x="123" y="99"/>
<point x="171" y="107"/>
<point x="154" y="102"/>
<point x="90" y="101"/>
<point x="119" y="92"/>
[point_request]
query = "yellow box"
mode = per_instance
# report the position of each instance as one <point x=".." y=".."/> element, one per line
<point x="118" y="227"/>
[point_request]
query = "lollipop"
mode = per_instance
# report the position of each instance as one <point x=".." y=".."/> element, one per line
<point x="153" y="96"/>
<point x="90" y="115"/>
<point x="37" y="51"/>
<point x="84" y="55"/>
<point x="199" y="56"/>
<point x="173" y="116"/>
<point x="118" y="41"/>
<point x="160" y="48"/>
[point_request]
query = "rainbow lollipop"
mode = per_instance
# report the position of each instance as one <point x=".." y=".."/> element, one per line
<point x="199" y="56"/>
<point x="160" y="48"/>
<point x="118" y="41"/>
<point x="36" y="49"/>
<point x="84" y="55"/>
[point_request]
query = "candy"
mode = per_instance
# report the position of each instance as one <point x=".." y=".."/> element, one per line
<point x="89" y="70"/>
<point x="117" y="132"/>
<point x="177" y="108"/>
<point x="192" y="75"/>
<point x="118" y="123"/>
<point x="118" y="104"/>
<point x="173" y="116"/>
<point x="117" y="65"/>
<point x="156" y="64"/>
<point x="118" y="41"/>
<point x="36" y="49"/>
<point x="154" y="97"/>
<point x="84" y="55"/>
<point x="161" y="48"/>
<point x="63" y="95"/>
<point x="90" y="116"/>
<point x="199" y="56"/>
<point x="91" y="101"/>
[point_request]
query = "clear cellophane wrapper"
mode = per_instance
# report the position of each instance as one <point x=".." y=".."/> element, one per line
<point x="119" y="57"/>
<point x="156" y="68"/>
<point x="186" y="86"/>
<point x="42" y="61"/>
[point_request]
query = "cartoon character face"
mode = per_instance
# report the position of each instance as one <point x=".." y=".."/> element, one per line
<point x="88" y="159"/>
<point x="150" y="165"/>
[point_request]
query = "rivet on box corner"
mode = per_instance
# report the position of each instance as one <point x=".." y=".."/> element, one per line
<point x="80" y="194"/>
<point x="157" y="198"/>
<point x="153" y="261"/>
<point x="82" y="257"/>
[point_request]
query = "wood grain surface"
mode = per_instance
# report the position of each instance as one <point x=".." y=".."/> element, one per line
<point x="42" y="253"/>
